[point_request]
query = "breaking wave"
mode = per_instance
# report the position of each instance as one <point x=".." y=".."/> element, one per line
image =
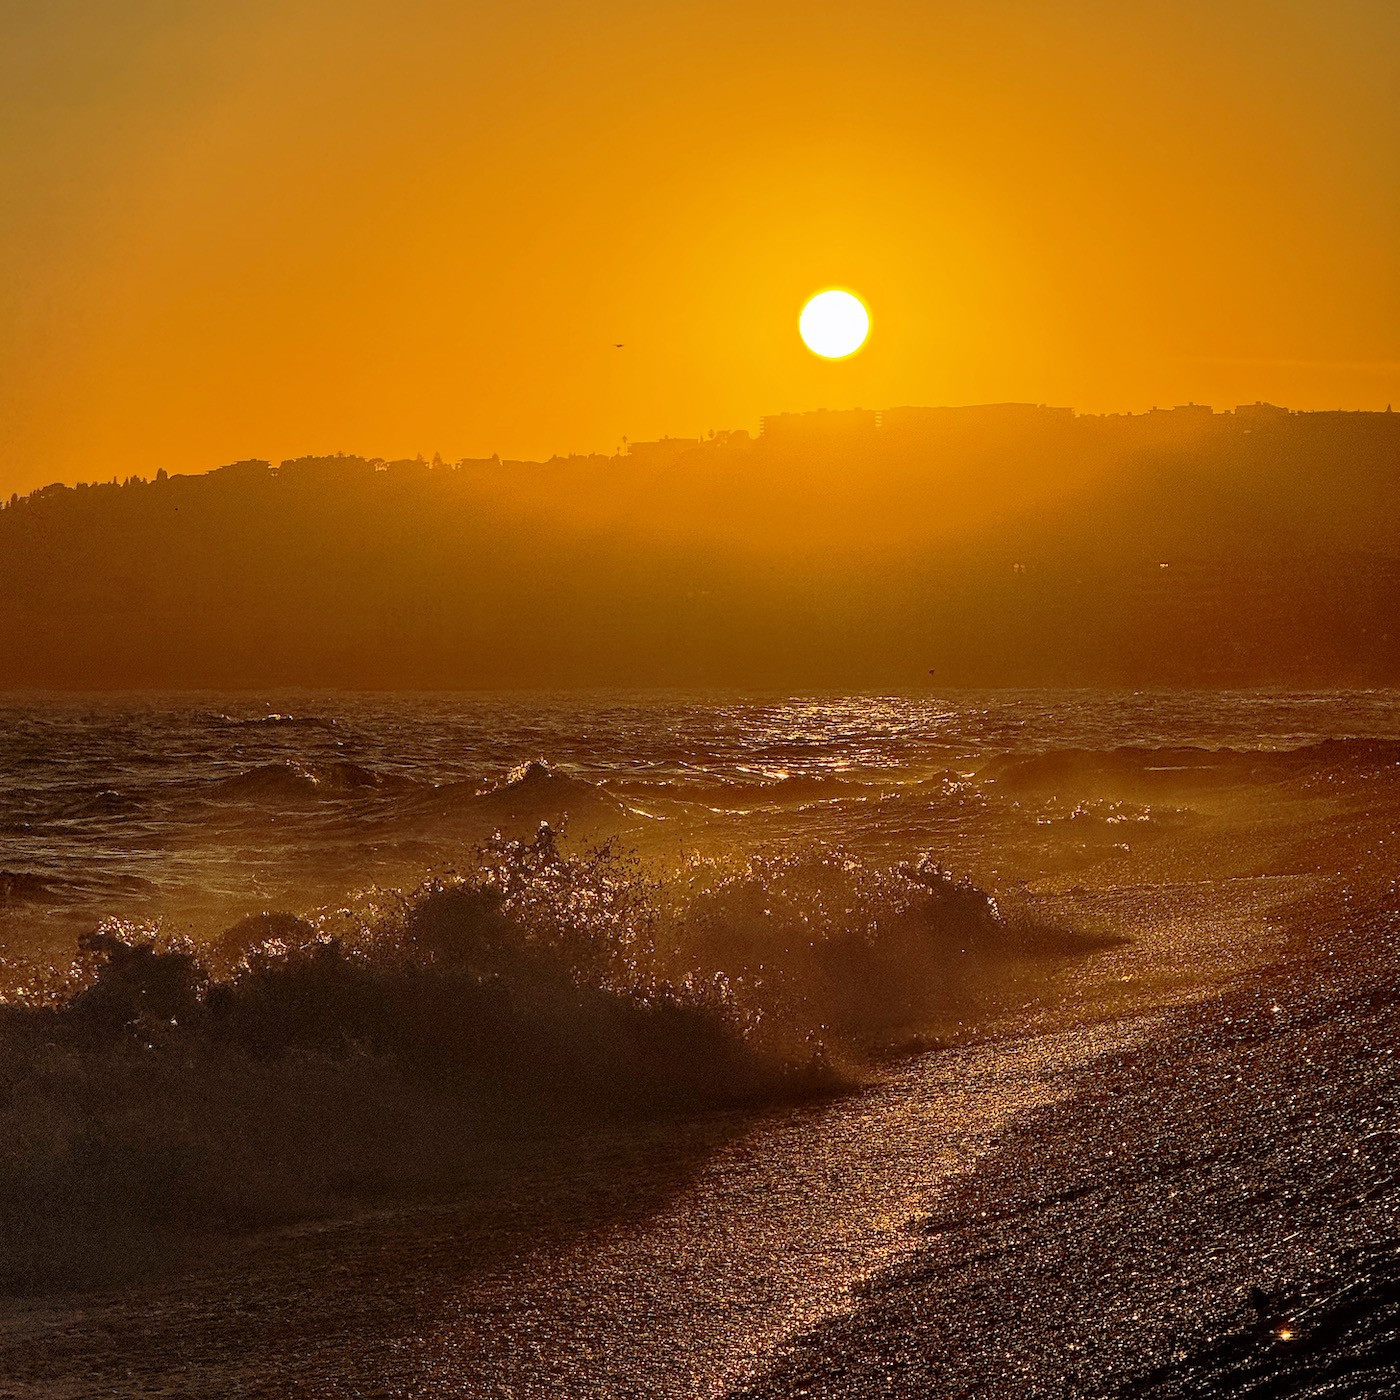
<point x="296" y="1066"/>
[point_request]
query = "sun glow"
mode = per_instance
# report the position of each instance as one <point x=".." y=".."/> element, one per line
<point x="834" y="324"/>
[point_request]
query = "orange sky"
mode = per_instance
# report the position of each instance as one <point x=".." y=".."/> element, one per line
<point x="235" y="228"/>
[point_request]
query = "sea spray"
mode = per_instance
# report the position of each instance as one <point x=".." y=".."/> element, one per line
<point x="304" y="1065"/>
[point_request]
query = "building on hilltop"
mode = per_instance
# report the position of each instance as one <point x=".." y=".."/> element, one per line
<point x="407" y="469"/>
<point x="254" y="469"/>
<point x="1259" y="412"/>
<point x="826" y="427"/>
<point x="325" y="471"/>
<point x="911" y="423"/>
<point x="663" y="452"/>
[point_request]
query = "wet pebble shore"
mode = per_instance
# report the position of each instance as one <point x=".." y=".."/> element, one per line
<point x="1217" y="1212"/>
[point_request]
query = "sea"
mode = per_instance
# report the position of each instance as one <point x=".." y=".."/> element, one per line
<point x="596" y="1044"/>
<point x="194" y="808"/>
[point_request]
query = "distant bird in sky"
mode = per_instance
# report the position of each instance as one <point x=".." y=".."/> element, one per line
<point x="618" y="346"/>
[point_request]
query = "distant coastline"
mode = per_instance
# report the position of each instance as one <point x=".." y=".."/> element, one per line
<point x="1011" y="544"/>
<point x="902" y="425"/>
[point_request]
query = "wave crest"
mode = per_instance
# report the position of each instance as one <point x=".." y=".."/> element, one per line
<point x="287" y="780"/>
<point x="301" y="1064"/>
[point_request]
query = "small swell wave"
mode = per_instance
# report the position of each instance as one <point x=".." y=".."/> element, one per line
<point x="104" y="803"/>
<point x="288" y="780"/>
<point x="536" y="788"/>
<point x="274" y="721"/>
<point x="531" y="793"/>
<point x="1139" y="766"/>
<point x="22" y="887"/>
<point x="795" y="789"/>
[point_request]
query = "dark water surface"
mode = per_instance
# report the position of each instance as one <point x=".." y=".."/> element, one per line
<point x="203" y="807"/>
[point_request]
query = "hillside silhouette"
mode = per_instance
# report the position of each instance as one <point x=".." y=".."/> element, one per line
<point x="1003" y="544"/>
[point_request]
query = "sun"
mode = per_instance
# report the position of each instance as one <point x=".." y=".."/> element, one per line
<point x="834" y="324"/>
